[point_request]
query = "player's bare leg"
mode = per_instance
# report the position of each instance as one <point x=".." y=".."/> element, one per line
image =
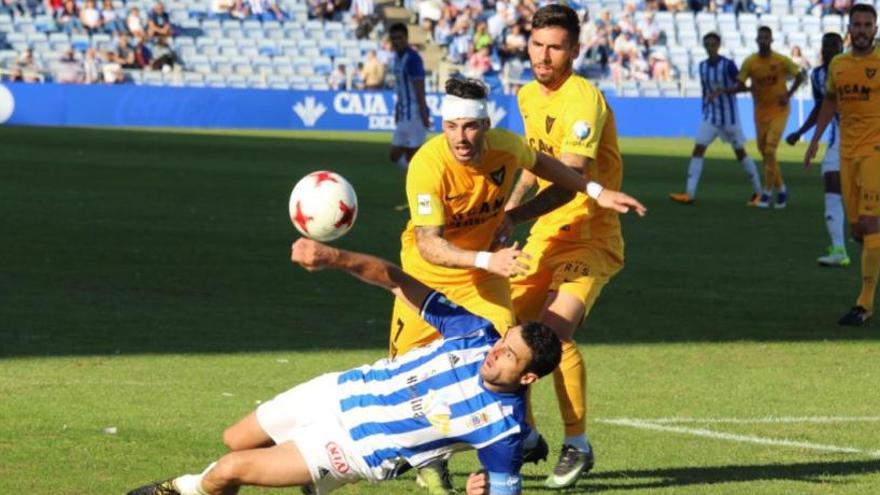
<point x="246" y="434"/>
<point x="564" y="313"/>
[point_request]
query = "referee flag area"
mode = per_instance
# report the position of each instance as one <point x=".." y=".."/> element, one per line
<point x="147" y="301"/>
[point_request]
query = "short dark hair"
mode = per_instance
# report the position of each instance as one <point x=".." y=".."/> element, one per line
<point x="863" y="7"/>
<point x="765" y="28"/>
<point x="470" y="89"/>
<point x="545" y="346"/>
<point x="712" y="35"/>
<point x="556" y="15"/>
<point x="398" y="27"/>
<point x="829" y="35"/>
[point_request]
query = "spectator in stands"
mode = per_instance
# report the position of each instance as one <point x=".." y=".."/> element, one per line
<point x="12" y="7"/>
<point x="798" y="58"/>
<point x="337" y="78"/>
<point x="363" y="15"/>
<point x="386" y="54"/>
<point x="481" y="37"/>
<point x="69" y="70"/>
<point x="124" y="55"/>
<point x="90" y="17"/>
<point x="324" y="9"/>
<point x="16" y="75"/>
<point x="53" y="7"/>
<point x="142" y="55"/>
<point x="357" y="77"/>
<point x="500" y="21"/>
<point x="159" y="22"/>
<point x="266" y="10"/>
<point x="26" y="60"/>
<point x="110" y="22"/>
<point x="515" y="45"/>
<point x="460" y="46"/>
<point x="239" y="10"/>
<point x="443" y="31"/>
<point x="431" y="11"/>
<point x="660" y="68"/>
<point x="67" y="18"/>
<point x="595" y="42"/>
<point x="134" y="24"/>
<point x="479" y="63"/>
<point x="162" y="57"/>
<point x="373" y="72"/>
<point x="677" y="5"/>
<point x="92" y="71"/>
<point x="222" y="9"/>
<point x="649" y="32"/>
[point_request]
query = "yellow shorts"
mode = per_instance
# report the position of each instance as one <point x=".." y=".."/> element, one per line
<point x="578" y="268"/>
<point x="860" y="185"/>
<point x="769" y="133"/>
<point x="489" y="298"/>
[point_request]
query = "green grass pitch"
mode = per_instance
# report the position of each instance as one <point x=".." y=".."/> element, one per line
<point x="145" y="285"/>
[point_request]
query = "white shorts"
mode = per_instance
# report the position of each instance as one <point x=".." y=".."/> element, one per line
<point x="409" y="133"/>
<point x="733" y="134"/>
<point x="831" y="160"/>
<point x="308" y="415"/>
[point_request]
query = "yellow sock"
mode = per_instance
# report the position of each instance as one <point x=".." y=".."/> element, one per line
<point x="772" y="173"/>
<point x="570" y="379"/>
<point x="870" y="270"/>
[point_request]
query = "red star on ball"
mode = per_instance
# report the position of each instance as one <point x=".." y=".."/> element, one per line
<point x="322" y="176"/>
<point x="301" y="219"/>
<point x="347" y="214"/>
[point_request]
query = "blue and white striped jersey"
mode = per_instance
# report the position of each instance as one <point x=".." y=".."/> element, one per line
<point x="817" y="81"/>
<point x="408" y="67"/>
<point x="431" y="401"/>
<point x="721" y="74"/>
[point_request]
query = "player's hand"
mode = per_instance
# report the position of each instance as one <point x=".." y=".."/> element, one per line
<point x="503" y="233"/>
<point x="812" y="149"/>
<point x="509" y="261"/>
<point x="311" y="254"/>
<point x="477" y="484"/>
<point x="792" y="138"/>
<point x="620" y="202"/>
<point x="711" y="96"/>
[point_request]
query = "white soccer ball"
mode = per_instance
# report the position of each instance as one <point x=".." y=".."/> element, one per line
<point x="323" y="206"/>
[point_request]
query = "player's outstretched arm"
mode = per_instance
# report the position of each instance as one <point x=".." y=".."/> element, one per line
<point x="313" y="256"/>
<point x="826" y="113"/>
<point x="507" y="262"/>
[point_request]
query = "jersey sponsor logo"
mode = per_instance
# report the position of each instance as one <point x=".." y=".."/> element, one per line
<point x="870" y="72"/>
<point x="438" y="411"/>
<point x="853" y="92"/>
<point x="424" y="204"/>
<point x="498" y="175"/>
<point x="541" y="146"/>
<point x="476" y="215"/>
<point x="581" y="130"/>
<point x="337" y="459"/>
<point x="548" y="123"/>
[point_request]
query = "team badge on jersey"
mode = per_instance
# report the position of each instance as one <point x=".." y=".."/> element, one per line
<point x="478" y="420"/>
<point x="581" y="130"/>
<point x="870" y="72"/>
<point x="548" y="123"/>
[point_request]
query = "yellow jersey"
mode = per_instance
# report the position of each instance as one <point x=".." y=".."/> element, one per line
<point x="855" y="81"/>
<point x="769" y="75"/>
<point x="466" y="200"/>
<point x="575" y="119"/>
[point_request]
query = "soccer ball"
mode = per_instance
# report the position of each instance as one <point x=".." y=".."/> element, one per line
<point x="323" y="206"/>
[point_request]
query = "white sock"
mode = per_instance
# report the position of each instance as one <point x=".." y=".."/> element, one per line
<point x="752" y="171"/>
<point x="579" y="442"/>
<point x="191" y="484"/>
<point x="695" y="169"/>
<point x="834" y="218"/>
<point x="532" y="439"/>
<point x="783" y="189"/>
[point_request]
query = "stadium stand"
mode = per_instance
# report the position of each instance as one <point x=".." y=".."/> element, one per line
<point x="631" y="48"/>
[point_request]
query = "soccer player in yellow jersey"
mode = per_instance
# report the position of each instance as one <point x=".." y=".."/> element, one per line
<point x="574" y="247"/>
<point x="853" y="92"/>
<point x="769" y="72"/>
<point x="457" y="185"/>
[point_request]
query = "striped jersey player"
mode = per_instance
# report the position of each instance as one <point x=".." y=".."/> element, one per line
<point x="464" y="391"/>
<point x="720" y="119"/>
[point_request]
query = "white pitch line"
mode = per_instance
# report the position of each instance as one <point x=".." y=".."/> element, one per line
<point x="700" y="432"/>
<point x="767" y="419"/>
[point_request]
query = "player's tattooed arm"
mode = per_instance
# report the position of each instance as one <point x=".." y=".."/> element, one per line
<point x="523" y="186"/>
<point x="435" y="249"/>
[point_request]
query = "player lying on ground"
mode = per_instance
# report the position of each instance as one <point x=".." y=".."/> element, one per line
<point x="466" y="390"/>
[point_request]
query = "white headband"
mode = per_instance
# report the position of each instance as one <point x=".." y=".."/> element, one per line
<point x="454" y="107"/>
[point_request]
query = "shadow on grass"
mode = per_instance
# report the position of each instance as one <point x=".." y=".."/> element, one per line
<point x="173" y="242"/>
<point x="648" y="479"/>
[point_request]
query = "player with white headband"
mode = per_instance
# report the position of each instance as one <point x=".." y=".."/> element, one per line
<point x="457" y="185"/>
